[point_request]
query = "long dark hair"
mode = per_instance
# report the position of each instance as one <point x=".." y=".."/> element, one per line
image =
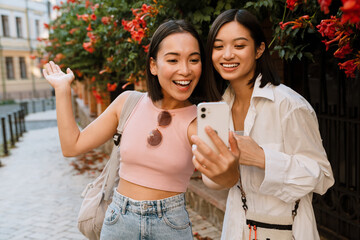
<point x="263" y="64"/>
<point x="205" y="90"/>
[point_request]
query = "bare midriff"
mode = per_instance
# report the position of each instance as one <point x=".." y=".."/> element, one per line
<point x="140" y="193"/>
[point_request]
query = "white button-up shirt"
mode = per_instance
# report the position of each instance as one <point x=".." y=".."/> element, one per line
<point x="284" y="124"/>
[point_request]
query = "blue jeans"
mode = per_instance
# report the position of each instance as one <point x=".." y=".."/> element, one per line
<point x="163" y="219"/>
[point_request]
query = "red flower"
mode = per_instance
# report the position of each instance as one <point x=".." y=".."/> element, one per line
<point x="91" y="36"/>
<point x="110" y="59"/>
<point x="343" y="51"/>
<point x="111" y="87"/>
<point x="87" y="3"/>
<point x="93" y="17"/>
<point x="301" y="22"/>
<point x="105" y="20"/>
<point x="349" y="67"/>
<point x="89" y="28"/>
<point x="126" y="84"/>
<point x="146" y="48"/>
<point x="328" y="27"/>
<point x="127" y="25"/>
<point x="95" y="6"/>
<point x="71" y="31"/>
<point x="106" y="69"/>
<point x="84" y="17"/>
<point x="56" y="7"/>
<point x="78" y="73"/>
<point x="145" y="8"/>
<point x="138" y="35"/>
<point x="32" y="57"/>
<point x="59" y="57"/>
<point x="46" y="26"/>
<point x="88" y="47"/>
<point x="324" y="5"/>
<point x="291" y="4"/>
<point x="93" y="79"/>
<point x="351" y="11"/>
<point x="97" y="96"/>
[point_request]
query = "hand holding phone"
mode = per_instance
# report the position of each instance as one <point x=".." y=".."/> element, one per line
<point x="215" y="115"/>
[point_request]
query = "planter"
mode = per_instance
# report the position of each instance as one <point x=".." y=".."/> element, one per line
<point x="92" y="104"/>
<point x="105" y="96"/>
<point x="85" y="93"/>
<point x="79" y="89"/>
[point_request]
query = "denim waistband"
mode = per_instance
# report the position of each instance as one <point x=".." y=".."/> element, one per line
<point x="148" y="206"/>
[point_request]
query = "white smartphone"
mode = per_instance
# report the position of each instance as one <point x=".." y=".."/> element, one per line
<point x="215" y="115"/>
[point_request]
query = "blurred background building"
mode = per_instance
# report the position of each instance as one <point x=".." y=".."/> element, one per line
<point x="22" y="23"/>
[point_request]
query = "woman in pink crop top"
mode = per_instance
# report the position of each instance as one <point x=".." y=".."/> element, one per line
<point x="149" y="201"/>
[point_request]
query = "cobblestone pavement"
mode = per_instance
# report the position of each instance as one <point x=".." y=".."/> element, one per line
<point x="40" y="191"/>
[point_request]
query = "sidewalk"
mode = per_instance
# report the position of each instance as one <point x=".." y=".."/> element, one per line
<point x="40" y="190"/>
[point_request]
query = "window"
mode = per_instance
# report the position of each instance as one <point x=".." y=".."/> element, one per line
<point x="9" y="68"/>
<point x="19" y="27"/>
<point x="22" y="64"/>
<point x="5" y="25"/>
<point x="37" y="28"/>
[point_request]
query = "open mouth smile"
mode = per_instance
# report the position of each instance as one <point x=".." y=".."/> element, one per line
<point x="182" y="83"/>
<point x="230" y="65"/>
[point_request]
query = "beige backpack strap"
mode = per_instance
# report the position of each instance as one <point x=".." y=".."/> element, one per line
<point x="114" y="163"/>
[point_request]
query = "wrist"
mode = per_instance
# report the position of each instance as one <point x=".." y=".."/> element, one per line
<point x="64" y="89"/>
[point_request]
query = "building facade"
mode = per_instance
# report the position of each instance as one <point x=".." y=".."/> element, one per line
<point x="22" y="23"/>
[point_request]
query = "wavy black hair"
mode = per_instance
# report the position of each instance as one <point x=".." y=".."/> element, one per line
<point x="205" y="90"/>
<point x="263" y="64"/>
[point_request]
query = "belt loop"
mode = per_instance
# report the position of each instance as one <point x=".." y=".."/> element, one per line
<point x="159" y="210"/>
<point x="123" y="207"/>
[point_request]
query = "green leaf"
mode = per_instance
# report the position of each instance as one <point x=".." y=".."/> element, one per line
<point x="282" y="53"/>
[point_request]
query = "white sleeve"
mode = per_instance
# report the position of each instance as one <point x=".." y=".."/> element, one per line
<point x="304" y="166"/>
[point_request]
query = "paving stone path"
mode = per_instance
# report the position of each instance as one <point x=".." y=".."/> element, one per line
<point x="40" y="191"/>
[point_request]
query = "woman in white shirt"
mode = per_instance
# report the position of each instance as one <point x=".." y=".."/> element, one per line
<point x="280" y="159"/>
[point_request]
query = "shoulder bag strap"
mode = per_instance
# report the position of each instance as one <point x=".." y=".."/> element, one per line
<point x="127" y="109"/>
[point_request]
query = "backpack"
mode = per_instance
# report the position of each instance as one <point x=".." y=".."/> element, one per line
<point x="98" y="194"/>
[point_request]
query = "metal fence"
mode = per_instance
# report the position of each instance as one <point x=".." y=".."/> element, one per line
<point x="338" y="210"/>
<point x="12" y="120"/>
<point x="336" y="101"/>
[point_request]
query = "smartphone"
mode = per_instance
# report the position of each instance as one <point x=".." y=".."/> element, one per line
<point x="215" y="115"/>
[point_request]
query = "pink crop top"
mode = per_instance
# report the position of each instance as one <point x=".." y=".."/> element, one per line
<point x="167" y="166"/>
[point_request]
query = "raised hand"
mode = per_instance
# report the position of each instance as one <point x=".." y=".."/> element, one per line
<point x="56" y="77"/>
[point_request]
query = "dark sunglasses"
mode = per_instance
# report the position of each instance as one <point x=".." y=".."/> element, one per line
<point x="155" y="136"/>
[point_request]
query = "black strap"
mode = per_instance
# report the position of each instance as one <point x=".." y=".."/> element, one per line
<point x="245" y="207"/>
<point x="268" y="225"/>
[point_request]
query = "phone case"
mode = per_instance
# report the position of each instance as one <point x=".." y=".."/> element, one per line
<point x="215" y="115"/>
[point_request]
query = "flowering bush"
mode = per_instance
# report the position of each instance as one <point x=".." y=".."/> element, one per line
<point x="106" y="41"/>
<point x="298" y="23"/>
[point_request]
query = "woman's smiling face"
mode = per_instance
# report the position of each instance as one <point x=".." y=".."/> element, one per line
<point x="177" y="65"/>
<point x="234" y="54"/>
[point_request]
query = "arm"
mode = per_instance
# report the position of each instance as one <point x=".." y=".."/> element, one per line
<point x="218" y="170"/>
<point x="73" y="141"/>
<point x="303" y="167"/>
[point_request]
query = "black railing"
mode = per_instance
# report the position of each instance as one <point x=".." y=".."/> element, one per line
<point x="336" y="101"/>
<point x="13" y="128"/>
<point x="338" y="210"/>
<point x="16" y="126"/>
